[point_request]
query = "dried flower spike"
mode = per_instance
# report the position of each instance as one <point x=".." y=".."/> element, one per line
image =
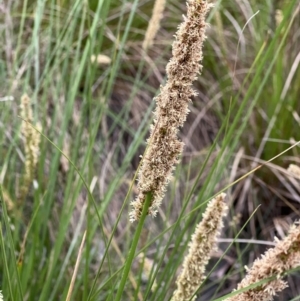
<point x="164" y="148"/>
<point x="283" y="257"/>
<point x="154" y="23"/>
<point x="31" y="144"/>
<point x="202" y="244"/>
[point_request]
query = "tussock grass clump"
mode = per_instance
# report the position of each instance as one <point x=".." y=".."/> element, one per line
<point x="94" y="110"/>
<point x="164" y="147"/>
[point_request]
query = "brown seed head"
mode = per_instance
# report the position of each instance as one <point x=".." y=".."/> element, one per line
<point x="164" y="148"/>
<point x="154" y="23"/>
<point x="31" y="144"/>
<point x="202" y="245"/>
<point x="283" y="257"/>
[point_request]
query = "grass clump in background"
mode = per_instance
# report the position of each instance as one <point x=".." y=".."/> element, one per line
<point x="98" y="115"/>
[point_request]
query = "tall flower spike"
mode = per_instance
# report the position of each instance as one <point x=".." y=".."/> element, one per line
<point x="164" y="148"/>
<point x="283" y="257"/>
<point x="31" y="144"/>
<point x="202" y="244"/>
<point x="154" y="23"/>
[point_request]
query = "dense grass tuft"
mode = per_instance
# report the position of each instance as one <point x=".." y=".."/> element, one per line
<point x="241" y="136"/>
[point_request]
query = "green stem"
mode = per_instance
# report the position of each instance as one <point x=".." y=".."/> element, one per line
<point x="134" y="243"/>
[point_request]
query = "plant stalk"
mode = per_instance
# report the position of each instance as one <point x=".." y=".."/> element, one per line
<point x="132" y="250"/>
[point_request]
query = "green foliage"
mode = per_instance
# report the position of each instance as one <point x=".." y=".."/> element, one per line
<point x="99" y="116"/>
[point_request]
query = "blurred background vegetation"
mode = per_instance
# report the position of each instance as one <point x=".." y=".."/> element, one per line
<point x="98" y="114"/>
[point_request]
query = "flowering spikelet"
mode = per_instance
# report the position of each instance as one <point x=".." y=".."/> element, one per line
<point x="154" y="23"/>
<point x="283" y="257"/>
<point x="31" y="144"/>
<point x="1" y="296"/>
<point x="200" y="248"/>
<point x="164" y="148"/>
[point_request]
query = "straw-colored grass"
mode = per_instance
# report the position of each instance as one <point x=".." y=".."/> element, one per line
<point x="91" y="70"/>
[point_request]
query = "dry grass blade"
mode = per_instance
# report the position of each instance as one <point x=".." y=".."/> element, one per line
<point x="76" y="268"/>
